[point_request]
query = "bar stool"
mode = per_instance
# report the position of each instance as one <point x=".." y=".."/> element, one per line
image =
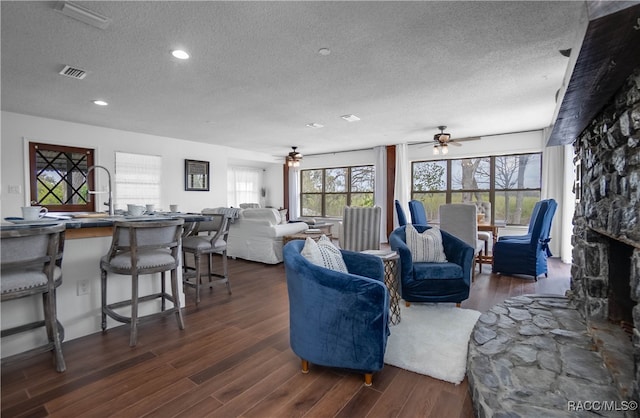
<point x="31" y="260"/>
<point x="215" y="241"/>
<point x="143" y="248"/>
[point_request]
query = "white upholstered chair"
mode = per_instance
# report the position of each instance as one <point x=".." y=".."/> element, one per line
<point x="484" y="208"/>
<point x="461" y="221"/>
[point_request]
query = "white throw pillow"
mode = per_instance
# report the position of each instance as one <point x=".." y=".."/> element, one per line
<point x="324" y="254"/>
<point x="426" y="246"/>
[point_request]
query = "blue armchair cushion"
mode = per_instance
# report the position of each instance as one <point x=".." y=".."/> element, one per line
<point x="324" y="254"/>
<point x="425" y="246"/>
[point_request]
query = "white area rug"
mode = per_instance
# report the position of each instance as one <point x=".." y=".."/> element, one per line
<point x="432" y="339"/>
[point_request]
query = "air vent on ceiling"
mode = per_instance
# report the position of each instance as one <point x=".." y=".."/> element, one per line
<point x="72" y="72"/>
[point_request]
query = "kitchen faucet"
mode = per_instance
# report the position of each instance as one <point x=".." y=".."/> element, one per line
<point x="110" y="201"/>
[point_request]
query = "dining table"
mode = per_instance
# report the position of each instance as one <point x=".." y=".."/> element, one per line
<point x="492" y="227"/>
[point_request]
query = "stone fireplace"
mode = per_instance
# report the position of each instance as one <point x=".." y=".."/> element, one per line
<point x="605" y="276"/>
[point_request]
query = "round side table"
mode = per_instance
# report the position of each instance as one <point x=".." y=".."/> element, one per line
<point x="391" y="280"/>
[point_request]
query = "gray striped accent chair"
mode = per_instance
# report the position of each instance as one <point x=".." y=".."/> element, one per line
<point x="360" y="228"/>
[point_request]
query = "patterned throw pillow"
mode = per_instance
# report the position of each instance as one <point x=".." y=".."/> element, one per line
<point x="426" y="246"/>
<point x="324" y="254"/>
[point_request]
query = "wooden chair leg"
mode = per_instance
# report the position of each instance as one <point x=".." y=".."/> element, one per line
<point x="305" y="366"/>
<point x="133" y="339"/>
<point x="458" y="305"/>
<point x="368" y="379"/>
<point x="407" y="303"/>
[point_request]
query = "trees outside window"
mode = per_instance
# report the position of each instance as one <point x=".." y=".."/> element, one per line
<point x="326" y="191"/>
<point x="511" y="183"/>
<point x="58" y="177"/>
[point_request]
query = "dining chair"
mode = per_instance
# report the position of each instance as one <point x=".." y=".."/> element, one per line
<point x="31" y="263"/>
<point x="402" y="218"/>
<point x="142" y="248"/>
<point x="208" y="238"/>
<point x="527" y="254"/>
<point x="360" y="228"/>
<point x="418" y="214"/>
<point x="461" y="220"/>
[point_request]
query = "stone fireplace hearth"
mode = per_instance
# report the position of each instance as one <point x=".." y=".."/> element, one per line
<point x="541" y="355"/>
<point x="606" y="235"/>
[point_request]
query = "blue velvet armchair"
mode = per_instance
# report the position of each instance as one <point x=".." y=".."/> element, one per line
<point x="418" y="214"/>
<point x="527" y="254"/>
<point x="337" y="319"/>
<point x="434" y="282"/>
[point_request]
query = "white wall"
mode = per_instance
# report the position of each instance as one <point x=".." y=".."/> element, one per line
<point x="18" y="129"/>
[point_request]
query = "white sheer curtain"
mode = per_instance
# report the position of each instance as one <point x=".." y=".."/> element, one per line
<point x="555" y="181"/>
<point x="403" y="180"/>
<point x="243" y="185"/>
<point x="380" y="192"/>
<point x="294" y="193"/>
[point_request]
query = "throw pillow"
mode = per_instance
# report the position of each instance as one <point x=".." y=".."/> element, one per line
<point x="426" y="246"/>
<point x="324" y="254"/>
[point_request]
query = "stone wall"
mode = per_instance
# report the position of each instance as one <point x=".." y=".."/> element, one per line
<point x="608" y="151"/>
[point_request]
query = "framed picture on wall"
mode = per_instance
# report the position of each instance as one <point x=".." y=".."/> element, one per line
<point x="196" y="175"/>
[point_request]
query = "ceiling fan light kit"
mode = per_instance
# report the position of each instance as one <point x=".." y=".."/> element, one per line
<point x="293" y="158"/>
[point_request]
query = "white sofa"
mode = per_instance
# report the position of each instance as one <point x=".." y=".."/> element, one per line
<point x="257" y="233"/>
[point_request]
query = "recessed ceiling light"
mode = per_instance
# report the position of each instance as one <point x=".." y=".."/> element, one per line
<point x="180" y="54"/>
<point x="324" y="51"/>
<point x="315" y="125"/>
<point x="350" y="118"/>
<point x="100" y="103"/>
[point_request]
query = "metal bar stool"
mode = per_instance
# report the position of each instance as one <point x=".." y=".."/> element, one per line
<point x="142" y="248"/>
<point x="31" y="260"/>
<point x="215" y="241"/>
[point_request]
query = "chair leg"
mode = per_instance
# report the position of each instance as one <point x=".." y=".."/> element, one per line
<point x="305" y="366"/>
<point x="368" y="379"/>
<point x="196" y="281"/>
<point x="407" y="303"/>
<point x="103" y="285"/>
<point x="225" y="270"/>
<point x="51" y="324"/>
<point x="176" y="298"/>
<point x="163" y="290"/>
<point x="133" y="339"/>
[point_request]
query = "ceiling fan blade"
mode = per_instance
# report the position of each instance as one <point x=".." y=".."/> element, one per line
<point x="454" y="143"/>
<point x="470" y="138"/>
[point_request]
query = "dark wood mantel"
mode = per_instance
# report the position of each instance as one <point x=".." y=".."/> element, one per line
<point x="609" y="53"/>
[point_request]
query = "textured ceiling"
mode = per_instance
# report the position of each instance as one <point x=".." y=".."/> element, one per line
<point x="255" y="78"/>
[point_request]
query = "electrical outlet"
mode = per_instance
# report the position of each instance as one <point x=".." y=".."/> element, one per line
<point x="83" y="287"/>
<point x="15" y="189"/>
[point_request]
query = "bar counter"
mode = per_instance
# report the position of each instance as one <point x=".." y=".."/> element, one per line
<point x="87" y="239"/>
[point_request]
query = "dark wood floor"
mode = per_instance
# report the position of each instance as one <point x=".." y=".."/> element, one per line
<point x="233" y="359"/>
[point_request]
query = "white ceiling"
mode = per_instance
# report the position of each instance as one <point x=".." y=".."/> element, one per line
<point x="255" y="78"/>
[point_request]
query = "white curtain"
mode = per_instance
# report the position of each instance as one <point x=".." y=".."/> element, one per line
<point x="380" y="192"/>
<point x="569" y="207"/>
<point x="294" y="193"/>
<point x="553" y="186"/>
<point x="403" y="180"/>
<point x="243" y="185"/>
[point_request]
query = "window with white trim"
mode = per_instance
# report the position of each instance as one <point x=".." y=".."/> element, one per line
<point x="137" y="179"/>
<point x="244" y="185"/>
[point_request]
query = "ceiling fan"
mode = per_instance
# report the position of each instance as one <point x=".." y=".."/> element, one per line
<point x="294" y="158"/>
<point x="443" y="140"/>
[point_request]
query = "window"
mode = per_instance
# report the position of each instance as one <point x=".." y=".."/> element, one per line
<point x="58" y="177"/>
<point x="244" y="185"/>
<point x="512" y="184"/>
<point x="137" y="179"/>
<point x="326" y="191"/>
